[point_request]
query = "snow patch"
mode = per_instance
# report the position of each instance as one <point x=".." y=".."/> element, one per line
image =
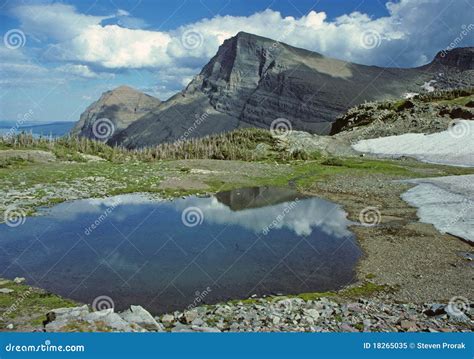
<point x="409" y="95"/>
<point x="428" y="86"/>
<point x="454" y="146"/>
<point x="447" y="203"/>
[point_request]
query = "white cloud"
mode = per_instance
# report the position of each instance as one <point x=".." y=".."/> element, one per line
<point x="57" y="21"/>
<point x="410" y="35"/>
<point x="82" y="71"/>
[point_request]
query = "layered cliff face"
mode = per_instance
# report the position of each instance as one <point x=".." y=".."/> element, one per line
<point x="253" y="81"/>
<point x="114" y="111"/>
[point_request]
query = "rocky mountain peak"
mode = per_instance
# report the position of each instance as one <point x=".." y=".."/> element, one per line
<point x="461" y="58"/>
<point x="122" y="106"/>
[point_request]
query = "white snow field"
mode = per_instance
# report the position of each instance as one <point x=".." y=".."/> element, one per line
<point x="445" y="202"/>
<point x="454" y="146"/>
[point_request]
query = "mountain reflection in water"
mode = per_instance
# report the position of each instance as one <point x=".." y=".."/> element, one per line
<point x="260" y="241"/>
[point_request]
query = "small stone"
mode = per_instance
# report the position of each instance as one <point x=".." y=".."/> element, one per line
<point x="205" y="329"/>
<point x="6" y="290"/>
<point x="435" y="309"/>
<point x="19" y="280"/>
<point x="198" y="322"/>
<point x="407" y="324"/>
<point x="347" y="328"/>
<point x="10" y="326"/>
<point x="179" y="328"/>
<point x="167" y="319"/>
<point x="354" y="307"/>
<point x="312" y="313"/>
<point x="190" y="315"/>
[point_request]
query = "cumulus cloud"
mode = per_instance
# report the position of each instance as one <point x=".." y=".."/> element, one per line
<point x="81" y="71"/>
<point x="412" y="33"/>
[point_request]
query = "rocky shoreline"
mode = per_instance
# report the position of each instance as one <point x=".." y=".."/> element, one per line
<point x="277" y="315"/>
<point x="343" y="311"/>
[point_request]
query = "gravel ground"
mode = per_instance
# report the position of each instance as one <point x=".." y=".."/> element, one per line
<point x="423" y="264"/>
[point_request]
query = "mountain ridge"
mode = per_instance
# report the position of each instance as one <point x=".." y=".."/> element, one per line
<point x="253" y="81"/>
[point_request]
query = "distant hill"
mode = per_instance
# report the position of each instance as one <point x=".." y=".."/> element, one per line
<point x="55" y="129"/>
<point x="114" y="111"/>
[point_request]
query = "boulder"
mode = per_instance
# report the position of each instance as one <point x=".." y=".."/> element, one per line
<point x="139" y="316"/>
<point x="167" y="319"/>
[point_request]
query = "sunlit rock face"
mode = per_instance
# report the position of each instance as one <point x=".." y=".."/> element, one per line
<point x="116" y="110"/>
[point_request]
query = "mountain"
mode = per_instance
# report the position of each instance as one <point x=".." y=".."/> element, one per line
<point x="253" y="80"/>
<point x="122" y="106"/>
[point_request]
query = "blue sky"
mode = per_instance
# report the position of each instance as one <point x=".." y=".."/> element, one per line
<point x="58" y="57"/>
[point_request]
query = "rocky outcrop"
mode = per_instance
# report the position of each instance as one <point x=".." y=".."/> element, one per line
<point x="420" y="114"/>
<point x="253" y="81"/>
<point x="114" y="111"/>
<point x="461" y="58"/>
<point x="135" y="319"/>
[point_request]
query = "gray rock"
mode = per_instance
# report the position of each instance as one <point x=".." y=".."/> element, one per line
<point x="345" y="327"/>
<point x="190" y="315"/>
<point x="167" y="319"/>
<point x="111" y="320"/>
<point x="198" y="322"/>
<point x="19" y="280"/>
<point x="180" y="328"/>
<point x="456" y="314"/>
<point x="435" y="309"/>
<point x="139" y="316"/>
<point x="6" y="290"/>
<point x="204" y="329"/>
<point x="312" y="313"/>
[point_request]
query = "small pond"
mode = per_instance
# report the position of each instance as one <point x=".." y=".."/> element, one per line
<point x="169" y="255"/>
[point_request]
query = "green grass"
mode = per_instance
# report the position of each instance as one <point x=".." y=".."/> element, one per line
<point x="460" y="101"/>
<point x="30" y="304"/>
